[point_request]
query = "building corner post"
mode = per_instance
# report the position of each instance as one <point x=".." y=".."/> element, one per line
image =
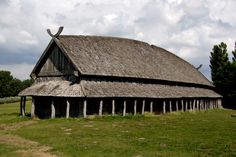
<point x="53" y="112"/>
<point x="33" y="108"/>
<point x="85" y="109"/>
<point x="67" y="109"/>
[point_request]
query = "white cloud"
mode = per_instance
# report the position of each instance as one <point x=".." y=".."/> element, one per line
<point x="189" y="28"/>
<point x="2" y="39"/>
<point x="20" y="71"/>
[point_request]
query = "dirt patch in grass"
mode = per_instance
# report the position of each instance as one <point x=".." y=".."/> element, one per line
<point x="24" y="147"/>
<point x="16" y="126"/>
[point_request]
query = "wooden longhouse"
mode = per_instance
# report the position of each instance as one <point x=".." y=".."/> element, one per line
<point x="78" y="76"/>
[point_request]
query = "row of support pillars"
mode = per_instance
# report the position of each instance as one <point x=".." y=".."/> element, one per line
<point x="192" y="105"/>
<point x="170" y="104"/>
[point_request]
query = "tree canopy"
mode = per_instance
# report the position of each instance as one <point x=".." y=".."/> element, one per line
<point x="223" y="71"/>
<point x="10" y="86"/>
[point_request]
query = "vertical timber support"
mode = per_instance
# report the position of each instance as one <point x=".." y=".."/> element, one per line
<point x="182" y="105"/>
<point x="164" y="107"/>
<point x="85" y="108"/>
<point x="197" y="104"/>
<point x="205" y="104"/>
<point x="124" y="109"/>
<point x="100" y="108"/>
<point x="113" y="107"/>
<point x="143" y="107"/>
<point x="170" y="105"/>
<point x="53" y="111"/>
<point x="200" y="105"/>
<point x="135" y="107"/>
<point x="33" y="108"/>
<point x="151" y="107"/>
<point x="220" y="103"/>
<point x="186" y="105"/>
<point x="67" y="109"/>
<point x="177" y="106"/>
<point x="194" y="104"/>
<point x="191" y="105"/>
<point x="21" y="104"/>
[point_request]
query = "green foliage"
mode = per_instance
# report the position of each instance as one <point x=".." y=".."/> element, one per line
<point x="5" y="79"/>
<point x="223" y="72"/>
<point x="10" y="86"/>
<point x="219" y="64"/>
<point x="234" y="54"/>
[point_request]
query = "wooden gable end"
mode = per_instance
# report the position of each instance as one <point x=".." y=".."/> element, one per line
<point x="55" y="63"/>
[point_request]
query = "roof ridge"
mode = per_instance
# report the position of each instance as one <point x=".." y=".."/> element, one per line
<point x="106" y="37"/>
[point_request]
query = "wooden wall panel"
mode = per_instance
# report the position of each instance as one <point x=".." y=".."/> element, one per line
<point x="56" y="64"/>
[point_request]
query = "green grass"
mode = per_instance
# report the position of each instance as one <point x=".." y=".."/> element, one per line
<point x="210" y="133"/>
<point x="9" y="113"/>
<point x="6" y="150"/>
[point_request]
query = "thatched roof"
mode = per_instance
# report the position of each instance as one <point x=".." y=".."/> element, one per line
<point x="53" y="88"/>
<point x="109" y="56"/>
<point x="115" y="89"/>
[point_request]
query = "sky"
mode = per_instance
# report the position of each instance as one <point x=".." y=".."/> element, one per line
<point x="187" y="28"/>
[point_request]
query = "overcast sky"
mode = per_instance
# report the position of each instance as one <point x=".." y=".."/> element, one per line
<point x="187" y="28"/>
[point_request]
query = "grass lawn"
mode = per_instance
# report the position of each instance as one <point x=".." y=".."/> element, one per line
<point x="209" y="133"/>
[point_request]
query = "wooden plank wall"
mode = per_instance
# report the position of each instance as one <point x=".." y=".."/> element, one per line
<point x="56" y="64"/>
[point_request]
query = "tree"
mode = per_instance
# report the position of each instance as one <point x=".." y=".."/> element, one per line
<point x="27" y="83"/>
<point x="219" y="64"/>
<point x="232" y="76"/>
<point x="5" y="79"/>
<point x="223" y="73"/>
<point x="10" y="86"/>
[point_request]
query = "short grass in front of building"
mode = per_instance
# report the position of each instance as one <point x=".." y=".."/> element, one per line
<point x="208" y="133"/>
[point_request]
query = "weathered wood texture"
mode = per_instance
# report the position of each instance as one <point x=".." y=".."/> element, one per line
<point x="56" y="64"/>
<point x="32" y="108"/>
<point x="53" y="111"/>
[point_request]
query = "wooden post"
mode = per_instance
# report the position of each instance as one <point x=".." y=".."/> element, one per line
<point x="21" y="103"/>
<point x="177" y="105"/>
<point x="23" y="106"/>
<point x="33" y="108"/>
<point x="124" y="109"/>
<point x="67" y="109"/>
<point x="85" y="108"/>
<point x="197" y="103"/>
<point x="220" y="103"/>
<point x="164" y="107"/>
<point x="151" y="107"/>
<point x="190" y="105"/>
<point x="135" y="107"/>
<point x="194" y="104"/>
<point x="182" y="105"/>
<point x="113" y="107"/>
<point x="100" y="108"/>
<point x="212" y="103"/>
<point x="186" y="105"/>
<point x="201" y="104"/>
<point x="53" y="112"/>
<point x="143" y="107"/>
<point x="208" y="106"/>
<point x="170" y="104"/>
